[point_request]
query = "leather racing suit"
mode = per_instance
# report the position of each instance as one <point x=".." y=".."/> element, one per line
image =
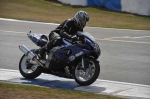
<point x="67" y="29"/>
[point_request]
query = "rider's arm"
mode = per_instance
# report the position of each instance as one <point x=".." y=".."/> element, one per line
<point x="81" y="30"/>
<point x="65" y="35"/>
<point x="58" y="29"/>
<point x="65" y="30"/>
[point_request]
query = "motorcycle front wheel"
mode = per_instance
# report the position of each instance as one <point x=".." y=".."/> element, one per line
<point x="87" y="75"/>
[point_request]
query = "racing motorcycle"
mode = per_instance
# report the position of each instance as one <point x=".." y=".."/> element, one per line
<point x="73" y="59"/>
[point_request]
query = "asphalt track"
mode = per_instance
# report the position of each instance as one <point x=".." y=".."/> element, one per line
<point x="125" y="53"/>
<point x="113" y="88"/>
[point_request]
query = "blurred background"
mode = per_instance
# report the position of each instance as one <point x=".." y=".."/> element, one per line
<point x="131" y="14"/>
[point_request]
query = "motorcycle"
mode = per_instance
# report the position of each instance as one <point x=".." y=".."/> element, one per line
<point x="74" y="60"/>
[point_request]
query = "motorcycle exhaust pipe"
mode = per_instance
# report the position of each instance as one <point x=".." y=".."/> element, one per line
<point x="30" y="54"/>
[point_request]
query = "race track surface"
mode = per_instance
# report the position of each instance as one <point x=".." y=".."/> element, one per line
<point x="125" y="54"/>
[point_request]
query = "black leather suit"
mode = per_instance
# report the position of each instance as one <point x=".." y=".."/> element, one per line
<point x="67" y="29"/>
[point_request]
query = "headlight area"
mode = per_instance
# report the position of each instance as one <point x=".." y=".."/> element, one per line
<point x="96" y="48"/>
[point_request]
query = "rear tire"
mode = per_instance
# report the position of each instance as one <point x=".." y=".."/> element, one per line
<point x="31" y="73"/>
<point x="96" y="71"/>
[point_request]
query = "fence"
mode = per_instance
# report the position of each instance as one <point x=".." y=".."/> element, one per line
<point x="140" y="7"/>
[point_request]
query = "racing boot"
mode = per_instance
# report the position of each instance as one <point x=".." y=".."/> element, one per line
<point x="41" y="55"/>
<point x="43" y="50"/>
<point x="48" y="47"/>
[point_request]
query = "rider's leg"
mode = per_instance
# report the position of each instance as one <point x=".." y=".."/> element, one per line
<point x="54" y="40"/>
<point x="45" y="48"/>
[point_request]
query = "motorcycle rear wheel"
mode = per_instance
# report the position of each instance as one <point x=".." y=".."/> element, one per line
<point x="85" y="77"/>
<point x="29" y="72"/>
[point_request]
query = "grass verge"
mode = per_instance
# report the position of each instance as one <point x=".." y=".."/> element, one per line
<point x="16" y="91"/>
<point x="46" y="11"/>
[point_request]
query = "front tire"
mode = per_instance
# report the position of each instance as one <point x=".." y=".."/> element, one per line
<point x="89" y="75"/>
<point x="29" y="72"/>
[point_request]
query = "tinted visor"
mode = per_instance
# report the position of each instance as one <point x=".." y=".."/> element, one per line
<point x="83" y="23"/>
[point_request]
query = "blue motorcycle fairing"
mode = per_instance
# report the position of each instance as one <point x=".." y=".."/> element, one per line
<point x="38" y="39"/>
<point x="70" y="53"/>
<point x="93" y="47"/>
<point x="90" y="47"/>
<point x="89" y="44"/>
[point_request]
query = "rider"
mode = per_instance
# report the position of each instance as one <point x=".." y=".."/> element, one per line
<point x="67" y="30"/>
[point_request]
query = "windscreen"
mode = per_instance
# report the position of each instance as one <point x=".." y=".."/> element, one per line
<point x="87" y="35"/>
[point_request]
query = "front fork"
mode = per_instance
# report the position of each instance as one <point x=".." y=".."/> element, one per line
<point x="83" y="63"/>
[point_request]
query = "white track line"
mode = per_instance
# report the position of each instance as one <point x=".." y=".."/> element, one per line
<point x="109" y="81"/>
<point x="15" y="20"/>
<point x="134" y="91"/>
<point x="140" y="37"/>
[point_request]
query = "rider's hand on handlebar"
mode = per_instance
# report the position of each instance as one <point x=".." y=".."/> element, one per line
<point x="82" y="39"/>
<point x="74" y="38"/>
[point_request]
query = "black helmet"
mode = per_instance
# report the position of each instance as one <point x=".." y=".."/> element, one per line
<point x="81" y="18"/>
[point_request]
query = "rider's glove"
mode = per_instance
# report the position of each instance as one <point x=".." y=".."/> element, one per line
<point x="82" y="39"/>
<point x="74" y="38"/>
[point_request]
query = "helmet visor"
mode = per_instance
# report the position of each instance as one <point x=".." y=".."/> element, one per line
<point x="82" y="23"/>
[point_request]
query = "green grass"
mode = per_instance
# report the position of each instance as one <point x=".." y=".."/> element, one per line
<point x="16" y="91"/>
<point x="45" y="11"/>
